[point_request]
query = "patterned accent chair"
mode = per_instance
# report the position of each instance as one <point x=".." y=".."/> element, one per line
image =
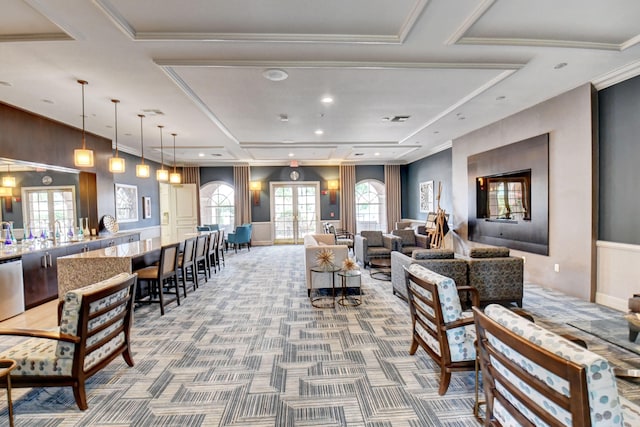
<point x="441" y="261"/>
<point x="374" y="244"/>
<point x="440" y="326"/>
<point x="496" y="275"/>
<point x="532" y="376"/>
<point x="94" y="329"/>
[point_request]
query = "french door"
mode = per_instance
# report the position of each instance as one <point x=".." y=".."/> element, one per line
<point x="295" y="210"/>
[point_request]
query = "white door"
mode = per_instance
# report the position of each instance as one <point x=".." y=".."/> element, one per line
<point x="295" y="210"/>
<point x="180" y="214"/>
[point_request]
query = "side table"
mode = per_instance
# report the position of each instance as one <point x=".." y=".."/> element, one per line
<point x="324" y="270"/>
<point x="6" y="366"/>
<point x="344" y="299"/>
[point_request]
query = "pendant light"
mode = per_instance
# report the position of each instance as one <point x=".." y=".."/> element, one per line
<point x="162" y="174"/>
<point x="174" y="177"/>
<point x="142" y="170"/>
<point x="116" y="164"/>
<point x="81" y="156"/>
<point x="8" y="180"/>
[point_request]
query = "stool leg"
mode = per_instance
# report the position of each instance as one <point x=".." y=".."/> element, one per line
<point x="9" y="403"/>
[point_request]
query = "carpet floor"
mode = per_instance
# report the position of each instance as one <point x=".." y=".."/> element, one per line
<point x="248" y="349"/>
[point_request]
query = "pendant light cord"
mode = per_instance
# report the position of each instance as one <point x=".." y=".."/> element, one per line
<point x="141" y="138"/>
<point x="84" y="144"/>
<point x="161" y="149"/>
<point x="115" y="103"/>
<point x="174" y="152"/>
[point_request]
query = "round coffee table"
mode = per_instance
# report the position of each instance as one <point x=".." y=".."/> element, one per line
<point x="345" y="300"/>
<point x="380" y="268"/>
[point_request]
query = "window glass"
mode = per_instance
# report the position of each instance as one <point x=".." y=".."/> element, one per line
<point x="217" y="205"/>
<point x="370" y="206"/>
<point x="45" y="206"/>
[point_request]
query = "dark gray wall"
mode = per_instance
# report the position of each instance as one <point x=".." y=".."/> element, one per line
<point x="436" y="168"/>
<point x="370" y="172"/>
<point x="147" y="187"/>
<point x="619" y="204"/>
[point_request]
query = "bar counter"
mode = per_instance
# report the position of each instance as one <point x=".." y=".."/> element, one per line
<point x="76" y="271"/>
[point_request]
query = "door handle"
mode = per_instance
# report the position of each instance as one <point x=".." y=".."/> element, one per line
<point x="43" y="261"/>
<point x="50" y="260"/>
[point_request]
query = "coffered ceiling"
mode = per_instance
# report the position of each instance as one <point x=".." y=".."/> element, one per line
<point x="406" y="76"/>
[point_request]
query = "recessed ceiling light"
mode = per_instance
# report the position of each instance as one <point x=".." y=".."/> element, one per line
<point x="319" y="132"/>
<point x="2" y="83"/>
<point x="560" y="65"/>
<point x="283" y="117"/>
<point x="48" y="101"/>
<point x="376" y="154"/>
<point x="200" y="154"/>
<point x="275" y="74"/>
<point x="291" y="154"/>
<point x="327" y="100"/>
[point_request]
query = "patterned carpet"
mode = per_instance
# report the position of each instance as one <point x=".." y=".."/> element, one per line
<point x="248" y="349"/>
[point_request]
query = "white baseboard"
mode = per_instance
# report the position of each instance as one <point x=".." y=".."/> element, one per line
<point x="612" y="302"/>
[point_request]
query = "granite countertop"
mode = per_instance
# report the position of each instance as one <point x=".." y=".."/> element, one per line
<point x="17" y="250"/>
<point x="125" y="250"/>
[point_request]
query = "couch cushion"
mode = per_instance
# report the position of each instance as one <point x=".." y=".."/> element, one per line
<point x="603" y="393"/>
<point x="408" y="237"/>
<point x="433" y="254"/>
<point x="374" y="238"/>
<point x="489" y="252"/>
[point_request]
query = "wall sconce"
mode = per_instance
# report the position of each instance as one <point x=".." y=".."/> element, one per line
<point x="333" y="185"/>
<point x="255" y="187"/>
<point x="6" y="192"/>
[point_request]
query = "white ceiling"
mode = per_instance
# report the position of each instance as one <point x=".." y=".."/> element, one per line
<point x="197" y="66"/>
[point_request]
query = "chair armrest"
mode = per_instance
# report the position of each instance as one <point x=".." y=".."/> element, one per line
<point x="423" y="240"/>
<point x="38" y="333"/>
<point x="460" y="322"/>
<point x="475" y="295"/>
<point x="391" y="242"/>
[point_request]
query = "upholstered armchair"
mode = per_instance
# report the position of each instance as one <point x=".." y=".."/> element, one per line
<point x="313" y="244"/>
<point x="374" y="244"/>
<point x="94" y="329"/>
<point x="496" y="275"/>
<point x="440" y="326"/>
<point x="240" y="236"/>
<point x="409" y="241"/>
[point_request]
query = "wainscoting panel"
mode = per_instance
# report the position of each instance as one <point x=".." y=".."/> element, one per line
<point x="617" y="273"/>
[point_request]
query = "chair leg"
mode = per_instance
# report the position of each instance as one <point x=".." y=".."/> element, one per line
<point x="161" y="297"/>
<point x="445" y="379"/>
<point x="126" y="354"/>
<point x="80" y="395"/>
<point x="414" y="347"/>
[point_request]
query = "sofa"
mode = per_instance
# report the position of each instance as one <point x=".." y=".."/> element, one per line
<point x="441" y="261"/>
<point x="496" y="275"/>
<point x="313" y="245"/>
<point x="374" y="244"/>
<point x="529" y="372"/>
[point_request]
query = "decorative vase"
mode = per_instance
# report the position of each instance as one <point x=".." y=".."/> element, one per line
<point x="86" y="227"/>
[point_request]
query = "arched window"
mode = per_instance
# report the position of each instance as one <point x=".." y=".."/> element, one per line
<point x="216" y="204"/>
<point x="370" y="206"/>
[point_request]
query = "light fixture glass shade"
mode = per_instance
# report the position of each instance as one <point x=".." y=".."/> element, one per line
<point x="9" y="181"/>
<point x="333" y="185"/>
<point x="116" y="165"/>
<point x="83" y="158"/>
<point x="175" y="178"/>
<point x="162" y="175"/>
<point x="6" y="192"/>
<point x="143" y="171"/>
<point x="255" y="185"/>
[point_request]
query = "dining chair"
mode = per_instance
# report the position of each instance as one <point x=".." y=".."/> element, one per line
<point x="221" y="248"/>
<point x="186" y="265"/>
<point x="160" y="279"/>
<point x="200" y="259"/>
<point x="212" y="250"/>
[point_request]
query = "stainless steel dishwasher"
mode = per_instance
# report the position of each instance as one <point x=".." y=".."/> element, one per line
<point x="11" y="288"/>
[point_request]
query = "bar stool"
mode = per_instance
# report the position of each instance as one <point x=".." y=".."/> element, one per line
<point x="200" y="259"/>
<point x="160" y="276"/>
<point x="186" y="265"/>
<point x="212" y="250"/>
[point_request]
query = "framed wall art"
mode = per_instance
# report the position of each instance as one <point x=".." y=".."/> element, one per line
<point x="426" y="196"/>
<point x="126" y="202"/>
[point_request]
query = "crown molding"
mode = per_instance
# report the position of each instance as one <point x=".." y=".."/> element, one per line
<point x="618" y="75"/>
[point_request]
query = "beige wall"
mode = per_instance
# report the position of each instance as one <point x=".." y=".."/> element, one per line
<point x="568" y="119"/>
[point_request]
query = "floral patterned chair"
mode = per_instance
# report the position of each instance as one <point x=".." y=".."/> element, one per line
<point x="532" y="376"/>
<point x="94" y="329"/>
<point x="440" y="326"/>
<point x="496" y="275"/>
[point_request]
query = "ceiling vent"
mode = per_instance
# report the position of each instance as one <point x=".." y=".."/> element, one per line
<point x="399" y="119"/>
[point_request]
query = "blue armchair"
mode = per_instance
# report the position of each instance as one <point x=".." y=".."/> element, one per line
<point x="240" y="236"/>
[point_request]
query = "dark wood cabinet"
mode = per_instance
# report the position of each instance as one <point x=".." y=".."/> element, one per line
<point x="40" y="273"/>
